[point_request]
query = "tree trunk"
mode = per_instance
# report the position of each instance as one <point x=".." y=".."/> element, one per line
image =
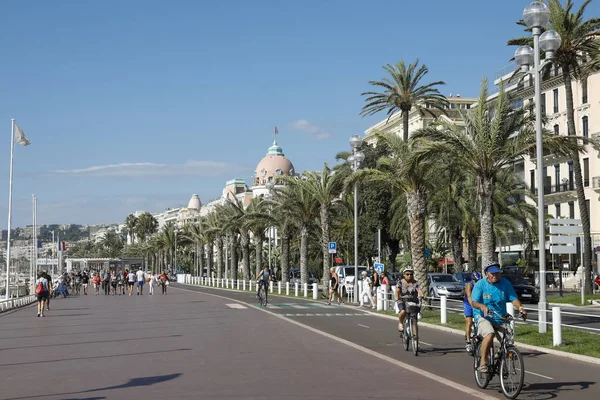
<point x="416" y="203"/>
<point x="245" y="243"/>
<point x="584" y="213"/>
<point x="457" y="248"/>
<point x="472" y="243"/>
<point x="405" y="115"/>
<point x="234" y="258"/>
<point x="485" y="189"/>
<point x="394" y="246"/>
<point x="211" y="260"/>
<point x="200" y="258"/>
<point x="285" y="254"/>
<point x="325" y="226"/>
<point x="258" y="249"/>
<point x="219" y="256"/>
<point x="303" y="254"/>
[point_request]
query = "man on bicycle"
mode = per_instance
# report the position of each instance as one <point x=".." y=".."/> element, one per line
<point x="491" y="294"/>
<point x="264" y="277"/>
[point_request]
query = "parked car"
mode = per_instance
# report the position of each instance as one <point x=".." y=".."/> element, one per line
<point x="445" y="285"/>
<point x="294" y="276"/>
<point x="524" y="289"/>
<point x="346" y="275"/>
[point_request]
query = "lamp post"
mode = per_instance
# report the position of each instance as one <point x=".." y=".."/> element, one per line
<point x="175" y="253"/>
<point x="355" y="159"/>
<point x="536" y="16"/>
<point x="269" y="185"/>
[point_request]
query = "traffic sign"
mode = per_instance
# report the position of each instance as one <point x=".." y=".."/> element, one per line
<point x="332" y="247"/>
<point x="378" y="267"/>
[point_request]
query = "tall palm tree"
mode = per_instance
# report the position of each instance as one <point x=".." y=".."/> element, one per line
<point x="401" y="92"/>
<point x="145" y="226"/>
<point x="167" y="241"/>
<point x="237" y="221"/>
<point x="410" y="176"/>
<point x="130" y="223"/>
<point x="494" y="136"/>
<point x="578" y="42"/>
<point x="112" y="245"/>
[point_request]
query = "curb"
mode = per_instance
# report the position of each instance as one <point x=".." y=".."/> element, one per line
<point x="573" y="356"/>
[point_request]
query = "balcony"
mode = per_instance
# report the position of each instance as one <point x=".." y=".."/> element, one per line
<point x="559" y="193"/>
<point x="596" y="183"/>
<point x="549" y="158"/>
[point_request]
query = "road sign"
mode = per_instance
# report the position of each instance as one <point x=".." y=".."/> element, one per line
<point x="332" y="247"/>
<point x="563" y="235"/>
<point x="378" y="267"/>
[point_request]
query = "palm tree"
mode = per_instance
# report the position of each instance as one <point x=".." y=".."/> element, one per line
<point x="146" y="225"/>
<point x="578" y="42"/>
<point x="402" y="92"/>
<point x="131" y="222"/>
<point x="236" y="221"/>
<point x="167" y="241"/>
<point x="495" y="135"/>
<point x="112" y="245"/>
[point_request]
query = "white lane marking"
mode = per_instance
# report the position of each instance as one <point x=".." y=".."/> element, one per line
<point x="403" y="365"/>
<point x="236" y="305"/>
<point x="364" y="326"/>
<point x="426" y="344"/>
<point x="540" y="375"/>
<point x="297" y="306"/>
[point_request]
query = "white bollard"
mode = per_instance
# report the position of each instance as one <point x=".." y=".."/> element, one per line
<point x="250" y="285"/>
<point x="510" y="309"/>
<point x="380" y="298"/>
<point x="238" y="284"/>
<point x="227" y="283"/>
<point x="279" y="287"/>
<point x="244" y="285"/>
<point x="315" y="288"/>
<point x="305" y="290"/>
<point x="443" y="315"/>
<point x="287" y="288"/>
<point x="271" y="287"/>
<point x="384" y="289"/>
<point x="556" y="327"/>
<point x="296" y="289"/>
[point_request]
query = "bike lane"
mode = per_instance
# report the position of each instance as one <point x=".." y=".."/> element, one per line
<point x="442" y="353"/>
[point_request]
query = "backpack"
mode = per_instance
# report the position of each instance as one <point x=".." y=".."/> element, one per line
<point x="39" y="288"/>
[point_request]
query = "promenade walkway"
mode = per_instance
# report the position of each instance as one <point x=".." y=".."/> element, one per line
<point x="189" y="345"/>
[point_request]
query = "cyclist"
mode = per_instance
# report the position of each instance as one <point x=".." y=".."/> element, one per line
<point x="264" y="277"/>
<point x="468" y="309"/>
<point x="407" y="290"/>
<point x="491" y="294"/>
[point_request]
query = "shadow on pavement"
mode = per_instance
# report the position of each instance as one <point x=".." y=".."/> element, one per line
<point x="551" y="390"/>
<point x="93" y="357"/>
<point x="90" y="342"/>
<point x="135" y="382"/>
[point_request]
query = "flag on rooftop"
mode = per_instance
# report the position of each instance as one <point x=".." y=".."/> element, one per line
<point x="20" y="136"/>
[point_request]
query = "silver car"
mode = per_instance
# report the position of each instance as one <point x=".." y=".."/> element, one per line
<point x="445" y="285"/>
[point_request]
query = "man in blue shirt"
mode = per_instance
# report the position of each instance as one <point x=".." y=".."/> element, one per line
<point x="491" y="294"/>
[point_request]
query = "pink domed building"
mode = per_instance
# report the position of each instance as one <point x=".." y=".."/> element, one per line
<point x="275" y="164"/>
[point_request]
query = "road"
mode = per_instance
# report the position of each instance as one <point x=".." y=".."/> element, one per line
<point x="443" y="353"/>
<point x="194" y="345"/>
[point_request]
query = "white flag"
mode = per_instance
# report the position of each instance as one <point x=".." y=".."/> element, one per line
<point x="20" y="136"/>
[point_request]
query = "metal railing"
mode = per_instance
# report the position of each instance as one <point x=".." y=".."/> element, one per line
<point x="16" y="302"/>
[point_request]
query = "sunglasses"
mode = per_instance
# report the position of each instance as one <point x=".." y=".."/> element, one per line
<point x="408" y="273"/>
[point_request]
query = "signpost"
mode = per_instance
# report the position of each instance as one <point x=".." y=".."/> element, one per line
<point x="332" y="251"/>
<point x="378" y="268"/>
<point x="563" y="240"/>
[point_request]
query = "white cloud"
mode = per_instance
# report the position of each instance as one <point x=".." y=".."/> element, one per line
<point x="149" y="169"/>
<point x="310" y="129"/>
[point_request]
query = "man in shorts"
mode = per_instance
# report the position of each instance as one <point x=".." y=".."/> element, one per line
<point x="491" y="294"/>
<point x="130" y="282"/>
<point x="140" y="281"/>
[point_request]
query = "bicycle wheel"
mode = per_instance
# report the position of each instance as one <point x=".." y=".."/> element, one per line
<point x="481" y="379"/>
<point x="405" y="335"/>
<point x="414" y="338"/>
<point x="512" y="373"/>
<point x="261" y="297"/>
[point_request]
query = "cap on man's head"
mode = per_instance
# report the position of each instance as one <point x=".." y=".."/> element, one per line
<point x="493" y="267"/>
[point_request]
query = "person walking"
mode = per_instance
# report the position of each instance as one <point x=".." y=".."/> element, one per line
<point x="366" y="287"/>
<point x="163" y="281"/>
<point x="106" y="282"/>
<point x="141" y="276"/>
<point x="96" y="281"/>
<point x="334" y="287"/>
<point x="42" y="293"/>
<point x="130" y="282"/>
<point x="152" y="282"/>
<point x="85" y="280"/>
<point x="50" y="289"/>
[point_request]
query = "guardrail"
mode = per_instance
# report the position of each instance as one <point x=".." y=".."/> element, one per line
<point x="16" y="302"/>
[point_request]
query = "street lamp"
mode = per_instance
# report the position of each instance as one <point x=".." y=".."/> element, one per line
<point x="269" y="185"/>
<point x="355" y="159"/>
<point x="536" y="15"/>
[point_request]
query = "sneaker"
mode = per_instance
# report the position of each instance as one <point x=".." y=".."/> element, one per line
<point x="328" y="303"/>
<point x="39" y="314"/>
<point x="469" y="348"/>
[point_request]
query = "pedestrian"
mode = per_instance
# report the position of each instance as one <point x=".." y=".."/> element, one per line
<point x="130" y="282"/>
<point x="42" y="293"/>
<point x="96" y="282"/>
<point x="152" y="282"/>
<point x="366" y="287"/>
<point x="114" y="281"/>
<point x="50" y="289"/>
<point x="163" y="281"/>
<point x="85" y="280"/>
<point x="106" y="282"/>
<point x="334" y="287"/>
<point x="140" y="281"/>
<point x="375" y="285"/>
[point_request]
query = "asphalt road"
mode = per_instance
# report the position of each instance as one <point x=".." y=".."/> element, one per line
<point x="193" y="345"/>
<point x="443" y="354"/>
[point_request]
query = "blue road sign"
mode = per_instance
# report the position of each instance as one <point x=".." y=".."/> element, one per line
<point x="378" y="267"/>
<point x="332" y="247"/>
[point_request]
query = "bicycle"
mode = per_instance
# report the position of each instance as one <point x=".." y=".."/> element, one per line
<point x="262" y="294"/>
<point x="410" y="321"/>
<point x="507" y="363"/>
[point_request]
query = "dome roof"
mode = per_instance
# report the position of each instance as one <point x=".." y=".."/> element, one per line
<point x="272" y="165"/>
<point x="195" y="203"/>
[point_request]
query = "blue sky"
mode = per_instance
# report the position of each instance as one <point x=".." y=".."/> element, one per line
<point x="135" y="105"/>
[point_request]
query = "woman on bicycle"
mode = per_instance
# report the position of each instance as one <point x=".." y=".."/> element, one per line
<point x="407" y="290"/>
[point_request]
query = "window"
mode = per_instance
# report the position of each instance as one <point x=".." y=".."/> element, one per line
<point x="585" y="126"/>
<point x="543" y="103"/>
<point x="556" y="210"/>
<point x="545" y="210"/>
<point x="555" y="95"/>
<point x="530" y="105"/>
<point x="556" y="130"/>
<point x="570" y="181"/>
<point x="557" y="177"/>
<point x="571" y="210"/>
<point x="586" y="172"/>
<point x="532" y="180"/>
<point x="584" y="91"/>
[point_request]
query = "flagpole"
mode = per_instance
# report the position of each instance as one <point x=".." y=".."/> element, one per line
<point x="10" y="182"/>
<point x="33" y="242"/>
<point x="35" y="258"/>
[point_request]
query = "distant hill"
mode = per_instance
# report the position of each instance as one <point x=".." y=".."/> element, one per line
<point x="67" y="233"/>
